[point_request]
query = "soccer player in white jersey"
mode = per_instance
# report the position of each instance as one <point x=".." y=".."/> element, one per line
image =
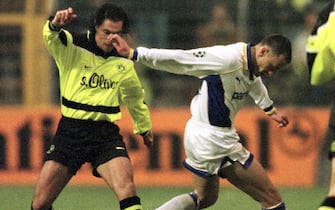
<point x="212" y="146"/>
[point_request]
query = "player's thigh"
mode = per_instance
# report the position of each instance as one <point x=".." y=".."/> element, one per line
<point x="252" y="180"/>
<point x="116" y="170"/>
<point x="52" y="179"/>
<point x="118" y="174"/>
<point x="207" y="188"/>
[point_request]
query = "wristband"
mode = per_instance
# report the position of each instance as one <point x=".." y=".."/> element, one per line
<point x="135" y="55"/>
<point x="146" y="133"/>
<point x="131" y="54"/>
<point x="273" y="110"/>
<point x="53" y="27"/>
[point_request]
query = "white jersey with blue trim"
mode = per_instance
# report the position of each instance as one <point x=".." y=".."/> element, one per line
<point x="227" y="77"/>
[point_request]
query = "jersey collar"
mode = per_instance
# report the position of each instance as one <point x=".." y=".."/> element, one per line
<point x="249" y="61"/>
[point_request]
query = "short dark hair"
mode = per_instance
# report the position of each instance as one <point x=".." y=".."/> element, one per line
<point x="280" y="45"/>
<point x="111" y="12"/>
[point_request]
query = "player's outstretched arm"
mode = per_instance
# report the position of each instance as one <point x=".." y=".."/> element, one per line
<point x="64" y="17"/>
<point x="148" y="139"/>
<point x="281" y="119"/>
<point x="121" y="46"/>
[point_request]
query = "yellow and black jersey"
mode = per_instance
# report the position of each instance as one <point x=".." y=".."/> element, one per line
<point x="321" y="47"/>
<point x="92" y="82"/>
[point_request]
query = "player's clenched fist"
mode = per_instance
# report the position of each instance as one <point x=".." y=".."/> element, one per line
<point x="63" y="17"/>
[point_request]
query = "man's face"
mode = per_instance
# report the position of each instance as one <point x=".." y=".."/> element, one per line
<point x="268" y="63"/>
<point x="104" y="32"/>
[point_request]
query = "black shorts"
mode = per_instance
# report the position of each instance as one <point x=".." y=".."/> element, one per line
<point x="79" y="141"/>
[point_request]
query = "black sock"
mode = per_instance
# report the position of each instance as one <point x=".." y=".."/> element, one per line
<point x="131" y="201"/>
<point x="329" y="201"/>
<point x="31" y="207"/>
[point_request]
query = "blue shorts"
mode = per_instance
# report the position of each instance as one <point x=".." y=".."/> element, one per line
<point x="79" y="141"/>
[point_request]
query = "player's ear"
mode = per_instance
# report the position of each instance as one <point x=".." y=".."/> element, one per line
<point x="263" y="50"/>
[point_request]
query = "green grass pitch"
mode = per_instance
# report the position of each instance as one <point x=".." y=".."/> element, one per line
<point x="101" y="198"/>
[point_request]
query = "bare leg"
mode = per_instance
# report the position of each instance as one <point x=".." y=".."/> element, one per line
<point x="53" y="178"/>
<point x="207" y="189"/>
<point x="253" y="181"/>
<point x="118" y="174"/>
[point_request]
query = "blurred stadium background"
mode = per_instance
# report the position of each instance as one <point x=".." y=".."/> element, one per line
<point x="29" y="95"/>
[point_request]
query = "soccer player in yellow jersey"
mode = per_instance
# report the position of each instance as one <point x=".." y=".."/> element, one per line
<point x="92" y="80"/>
<point x="321" y="62"/>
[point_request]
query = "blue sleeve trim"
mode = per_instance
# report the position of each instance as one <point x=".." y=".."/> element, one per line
<point x="135" y="55"/>
<point x="249" y="161"/>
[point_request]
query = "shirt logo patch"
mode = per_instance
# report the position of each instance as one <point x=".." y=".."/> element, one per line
<point x="98" y="81"/>
<point x="199" y="54"/>
<point x="238" y="96"/>
<point x="121" y="68"/>
<point x="51" y="149"/>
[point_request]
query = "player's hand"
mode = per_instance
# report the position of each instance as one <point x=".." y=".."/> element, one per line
<point x="64" y="17"/>
<point x="281" y="119"/>
<point x="148" y="139"/>
<point x="120" y="45"/>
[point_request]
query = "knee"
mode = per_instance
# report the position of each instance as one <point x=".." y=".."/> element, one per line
<point x="208" y="200"/>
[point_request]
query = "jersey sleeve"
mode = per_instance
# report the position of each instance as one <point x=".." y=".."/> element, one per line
<point x="58" y="43"/>
<point x="132" y="95"/>
<point x="195" y="62"/>
<point x="260" y="95"/>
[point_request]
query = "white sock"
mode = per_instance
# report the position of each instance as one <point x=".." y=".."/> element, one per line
<point x="180" y="202"/>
